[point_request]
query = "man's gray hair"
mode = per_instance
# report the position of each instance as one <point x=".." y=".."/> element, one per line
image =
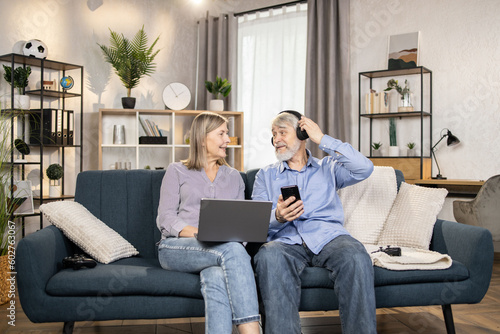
<point x="285" y="119"/>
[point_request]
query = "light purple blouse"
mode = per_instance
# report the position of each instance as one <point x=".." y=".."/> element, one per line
<point x="183" y="188"/>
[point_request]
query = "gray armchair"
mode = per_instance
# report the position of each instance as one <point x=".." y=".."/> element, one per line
<point x="484" y="210"/>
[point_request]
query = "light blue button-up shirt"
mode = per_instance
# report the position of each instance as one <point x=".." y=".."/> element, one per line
<point x="318" y="181"/>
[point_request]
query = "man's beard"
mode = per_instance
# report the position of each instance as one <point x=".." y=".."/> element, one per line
<point x="289" y="153"/>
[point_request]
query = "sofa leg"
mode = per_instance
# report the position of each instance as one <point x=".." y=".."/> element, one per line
<point x="68" y="327"/>
<point x="448" y="319"/>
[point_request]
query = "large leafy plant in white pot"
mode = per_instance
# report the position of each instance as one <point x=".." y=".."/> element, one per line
<point x="218" y="88"/>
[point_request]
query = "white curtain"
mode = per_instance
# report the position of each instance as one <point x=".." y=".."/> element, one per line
<point x="271" y="74"/>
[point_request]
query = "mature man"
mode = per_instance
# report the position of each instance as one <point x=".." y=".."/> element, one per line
<point x="310" y="231"/>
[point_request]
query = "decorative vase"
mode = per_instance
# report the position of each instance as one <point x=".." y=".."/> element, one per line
<point x="216" y="105"/>
<point x="405" y="103"/>
<point x="128" y="102"/>
<point x="21" y="102"/>
<point x="54" y="191"/>
<point x="119" y="134"/>
<point x="393" y="151"/>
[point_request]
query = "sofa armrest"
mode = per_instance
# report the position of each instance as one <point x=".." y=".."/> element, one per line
<point x="470" y="245"/>
<point x="38" y="257"/>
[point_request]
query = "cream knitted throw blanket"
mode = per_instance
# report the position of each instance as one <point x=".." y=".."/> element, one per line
<point x="410" y="259"/>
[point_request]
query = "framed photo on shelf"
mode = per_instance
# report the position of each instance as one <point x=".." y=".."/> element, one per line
<point x="21" y="199"/>
<point x="403" y="51"/>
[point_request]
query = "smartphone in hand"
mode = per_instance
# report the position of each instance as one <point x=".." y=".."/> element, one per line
<point x="290" y="191"/>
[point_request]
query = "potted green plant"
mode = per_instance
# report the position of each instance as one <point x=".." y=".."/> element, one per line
<point x="411" y="149"/>
<point x="21" y="76"/>
<point x="393" y="148"/>
<point x="377" y="149"/>
<point x="131" y="60"/>
<point x="218" y="87"/>
<point x="54" y="172"/>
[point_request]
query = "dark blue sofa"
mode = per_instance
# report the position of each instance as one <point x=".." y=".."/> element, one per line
<point x="138" y="288"/>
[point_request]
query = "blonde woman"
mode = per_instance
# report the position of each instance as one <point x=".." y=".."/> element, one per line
<point x="227" y="278"/>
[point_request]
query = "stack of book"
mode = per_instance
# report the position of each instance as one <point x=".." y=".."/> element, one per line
<point x="154" y="134"/>
<point x="377" y="103"/>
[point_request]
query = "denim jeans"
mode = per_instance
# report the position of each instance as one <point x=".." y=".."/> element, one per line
<point x="226" y="276"/>
<point x="278" y="268"/>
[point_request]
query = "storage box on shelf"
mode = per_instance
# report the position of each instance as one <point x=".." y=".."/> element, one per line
<point x="48" y="143"/>
<point x="142" y="148"/>
<point x="414" y="168"/>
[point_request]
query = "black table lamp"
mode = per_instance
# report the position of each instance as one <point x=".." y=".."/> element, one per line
<point x="451" y="141"/>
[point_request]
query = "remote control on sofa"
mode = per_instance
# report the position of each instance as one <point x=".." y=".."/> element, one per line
<point x="78" y="261"/>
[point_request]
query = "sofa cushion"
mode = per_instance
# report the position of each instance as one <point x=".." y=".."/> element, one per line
<point x="131" y="276"/>
<point x="89" y="233"/>
<point x="314" y="277"/>
<point x="368" y="203"/>
<point x="413" y="215"/>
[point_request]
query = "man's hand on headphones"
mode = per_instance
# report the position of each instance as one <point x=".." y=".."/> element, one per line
<point x="313" y="130"/>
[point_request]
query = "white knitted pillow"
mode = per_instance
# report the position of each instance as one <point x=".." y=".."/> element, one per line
<point x="367" y="204"/>
<point x="93" y="236"/>
<point x="412" y="217"/>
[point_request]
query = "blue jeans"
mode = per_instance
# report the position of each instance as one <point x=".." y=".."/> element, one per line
<point x="278" y="268"/>
<point x="226" y="276"/>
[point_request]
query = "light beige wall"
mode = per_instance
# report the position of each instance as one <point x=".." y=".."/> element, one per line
<point x="461" y="45"/>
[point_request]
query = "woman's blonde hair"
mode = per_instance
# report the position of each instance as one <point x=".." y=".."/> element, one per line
<point x="202" y="124"/>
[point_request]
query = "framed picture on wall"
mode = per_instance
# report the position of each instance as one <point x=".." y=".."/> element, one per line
<point x="403" y="51"/>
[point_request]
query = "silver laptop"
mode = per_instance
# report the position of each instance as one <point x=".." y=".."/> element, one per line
<point x="233" y="220"/>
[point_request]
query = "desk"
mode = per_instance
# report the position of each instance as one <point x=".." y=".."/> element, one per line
<point x="466" y="188"/>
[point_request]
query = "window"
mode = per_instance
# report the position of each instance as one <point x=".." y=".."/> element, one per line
<point x="271" y="74"/>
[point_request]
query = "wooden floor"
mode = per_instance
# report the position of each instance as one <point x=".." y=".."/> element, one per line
<point x="469" y="319"/>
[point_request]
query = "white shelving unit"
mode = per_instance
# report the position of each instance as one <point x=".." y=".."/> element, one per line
<point x="175" y="124"/>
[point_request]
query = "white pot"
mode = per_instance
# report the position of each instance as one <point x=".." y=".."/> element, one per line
<point x="216" y="105"/>
<point x="411" y="152"/>
<point x="21" y="102"/>
<point x="377" y="153"/>
<point x="54" y="191"/>
<point x="393" y="151"/>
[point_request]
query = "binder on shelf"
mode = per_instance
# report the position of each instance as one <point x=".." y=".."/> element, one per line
<point x="71" y="127"/>
<point x="53" y="126"/>
<point x="48" y="128"/>
<point x="59" y="127"/>
<point x="65" y="127"/>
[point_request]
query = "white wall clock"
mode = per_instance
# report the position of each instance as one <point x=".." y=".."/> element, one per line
<point x="176" y="96"/>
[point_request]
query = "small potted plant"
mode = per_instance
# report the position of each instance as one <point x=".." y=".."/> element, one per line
<point x="21" y="75"/>
<point x="411" y="149"/>
<point x="54" y="172"/>
<point x="131" y="60"/>
<point x="218" y="87"/>
<point x="377" y="152"/>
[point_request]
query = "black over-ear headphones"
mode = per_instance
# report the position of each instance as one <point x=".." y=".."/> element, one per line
<point x="301" y="134"/>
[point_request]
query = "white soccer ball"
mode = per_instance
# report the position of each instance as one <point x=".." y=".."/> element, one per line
<point x="35" y="48"/>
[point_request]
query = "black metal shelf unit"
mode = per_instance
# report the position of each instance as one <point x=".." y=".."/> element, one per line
<point x="41" y="94"/>
<point x="420" y="71"/>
